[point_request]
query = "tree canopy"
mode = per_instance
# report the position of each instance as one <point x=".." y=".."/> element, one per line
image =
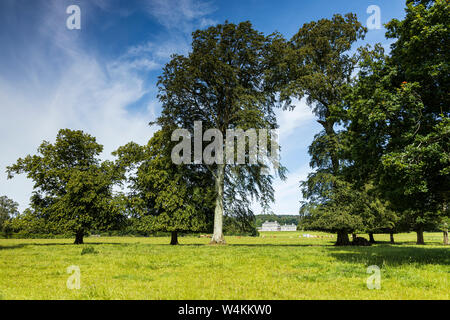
<point x="321" y="70"/>
<point x="72" y="187"/>
<point x="226" y="83"/>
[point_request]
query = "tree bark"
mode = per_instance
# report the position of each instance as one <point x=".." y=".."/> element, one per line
<point x="445" y="229"/>
<point x="217" y="237"/>
<point x="371" y="238"/>
<point x="353" y="236"/>
<point x="391" y="235"/>
<point x="342" y="239"/>
<point x="79" y="237"/>
<point x="420" y="236"/>
<point x="174" y="238"/>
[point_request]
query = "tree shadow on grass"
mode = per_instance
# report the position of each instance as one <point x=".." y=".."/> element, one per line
<point x="21" y="245"/>
<point x="391" y="255"/>
<point x="14" y="246"/>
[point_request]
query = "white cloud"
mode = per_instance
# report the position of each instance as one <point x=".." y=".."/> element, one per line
<point x="157" y="52"/>
<point x="205" y="22"/>
<point x="290" y="120"/>
<point x="291" y="127"/>
<point x="287" y="193"/>
<point x="181" y="14"/>
<point x="138" y="64"/>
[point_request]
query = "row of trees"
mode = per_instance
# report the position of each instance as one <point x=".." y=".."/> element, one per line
<point x="281" y="219"/>
<point x="74" y="191"/>
<point x="381" y="161"/>
<point x="387" y="169"/>
<point x="226" y="83"/>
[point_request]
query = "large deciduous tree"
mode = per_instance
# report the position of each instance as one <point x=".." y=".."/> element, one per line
<point x="320" y="69"/>
<point x="418" y="168"/>
<point x="373" y="111"/>
<point x="72" y="187"/>
<point x="164" y="196"/>
<point x="226" y="83"/>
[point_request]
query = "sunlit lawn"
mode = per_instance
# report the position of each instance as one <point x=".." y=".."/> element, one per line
<point x="277" y="265"/>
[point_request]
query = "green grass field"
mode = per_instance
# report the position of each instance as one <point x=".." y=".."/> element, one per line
<point x="277" y="265"/>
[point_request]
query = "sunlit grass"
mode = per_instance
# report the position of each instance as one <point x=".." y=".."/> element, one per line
<point x="276" y="265"/>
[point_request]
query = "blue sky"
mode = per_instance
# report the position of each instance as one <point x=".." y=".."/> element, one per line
<point x="102" y="78"/>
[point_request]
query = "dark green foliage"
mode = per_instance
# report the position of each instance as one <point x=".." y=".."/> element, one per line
<point x="334" y="209"/>
<point x="399" y="118"/>
<point x="164" y="196"/>
<point x="421" y="54"/>
<point x="28" y="224"/>
<point x="239" y="227"/>
<point x="388" y="169"/>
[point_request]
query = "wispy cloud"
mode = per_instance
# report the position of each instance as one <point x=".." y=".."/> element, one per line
<point x="152" y="55"/>
<point x="69" y="88"/>
<point x="290" y="120"/>
<point x="287" y="193"/>
<point x="292" y="127"/>
<point x="182" y="15"/>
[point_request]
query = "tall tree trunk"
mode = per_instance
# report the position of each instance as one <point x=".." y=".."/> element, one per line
<point x="444" y="210"/>
<point x="353" y="236"/>
<point x="217" y="237"/>
<point x="391" y="235"/>
<point x="174" y="238"/>
<point x="342" y="239"/>
<point x="420" y="236"/>
<point x="371" y="238"/>
<point x="79" y="237"/>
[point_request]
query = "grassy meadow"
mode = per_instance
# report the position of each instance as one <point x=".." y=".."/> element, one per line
<point x="277" y="265"/>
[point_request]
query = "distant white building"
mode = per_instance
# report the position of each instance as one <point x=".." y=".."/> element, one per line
<point x="270" y="226"/>
<point x="275" y="226"/>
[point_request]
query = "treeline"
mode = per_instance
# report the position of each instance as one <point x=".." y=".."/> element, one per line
<point x="380" y="164"/>
<point x="281" y="219"/>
